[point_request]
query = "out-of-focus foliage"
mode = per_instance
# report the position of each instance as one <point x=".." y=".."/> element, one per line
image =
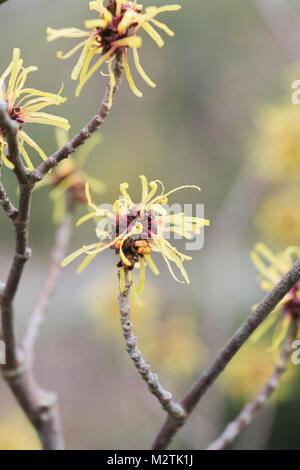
<point x="275" y="155"/>
<point x="249" y="371"/>
<point x="276" y="144"/>
<point x="16" y="433"/>
<point x="278" y="217"/>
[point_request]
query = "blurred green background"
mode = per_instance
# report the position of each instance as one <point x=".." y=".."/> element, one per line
<point x="224" y="63"/>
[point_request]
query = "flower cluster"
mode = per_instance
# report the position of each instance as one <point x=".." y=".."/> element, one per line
<point x="69" y="179"/>
<point x="135" y="231"/>
<point x="24" y="106"/>
<point x="272" y="267"/>
<point x="249" y="370"/>
<point x="115" y="29"/>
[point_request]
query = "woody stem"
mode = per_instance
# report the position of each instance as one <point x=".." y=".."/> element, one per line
<point x="164" y="397"/>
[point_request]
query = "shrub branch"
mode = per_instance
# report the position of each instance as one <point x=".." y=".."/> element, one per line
<point x="192" y="398"/>
<point x="62" y="239"/>
<point x="164" y="397"/>
<point x="249" y="412"/>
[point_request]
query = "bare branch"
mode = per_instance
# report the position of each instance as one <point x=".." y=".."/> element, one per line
<point x="22" y="254"/>
<point x="164" y="397"/>
<point x="246" y="416"/>
<point x="192" y="398"/>
<point x="85" y="132"/>
<point x="59" y="251"/>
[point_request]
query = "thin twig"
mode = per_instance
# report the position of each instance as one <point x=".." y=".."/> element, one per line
<point x="62" y="239"/>
<point x="85" y="132"/>
<point x="164" y="397"/>
<point x="192" y="398"/>
<point x="249" y="412"/>
<point x="8" y="207"/>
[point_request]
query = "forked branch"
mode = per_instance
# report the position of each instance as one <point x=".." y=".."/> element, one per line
<point x="246" y="416"/>
<point x="192" y="398"/>
<point x="86" y="132"/>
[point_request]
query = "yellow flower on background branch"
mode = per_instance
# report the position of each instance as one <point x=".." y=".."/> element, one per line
<point x="249" y="370"/>
<point x="116" y="28"/>
<point x="272" y="267"/>
<point x="69" y="179"/>
<point x="135" y="231"/>
<point x="278" y="218"/>
<point x="24" y="106"/>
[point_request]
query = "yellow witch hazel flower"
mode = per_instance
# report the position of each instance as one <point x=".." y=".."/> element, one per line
<point x="24" y="106"/>
<point x="134" y="231"/>
<point x="115" y="29"/>
<point x="69" y="179"/>
<point x="272" y="267"/>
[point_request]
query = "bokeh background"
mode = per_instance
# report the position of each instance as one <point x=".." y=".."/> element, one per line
<point x="221" y="117"/>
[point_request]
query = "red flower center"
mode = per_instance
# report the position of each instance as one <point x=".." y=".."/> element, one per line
<point x="14" y="114"/>
<point x="137" y="245"/>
